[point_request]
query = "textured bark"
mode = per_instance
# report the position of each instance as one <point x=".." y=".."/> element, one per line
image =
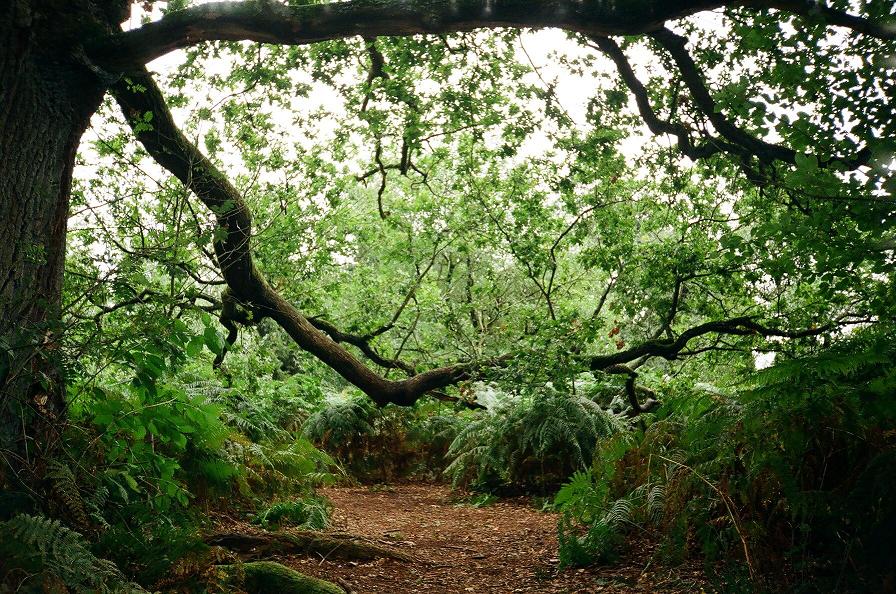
<point x="266" y="577"/>
<point x="306" y="542"/>
<point x="46" y="99"/>
<point x="272" y="22"/>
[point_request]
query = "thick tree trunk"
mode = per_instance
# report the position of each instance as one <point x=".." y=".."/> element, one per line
<point x="46" y="100"/>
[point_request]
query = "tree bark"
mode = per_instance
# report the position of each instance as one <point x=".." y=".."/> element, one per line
<point x="265" y="545"/>
<point x="272" y="22"/>
<point x="46" y="99"/>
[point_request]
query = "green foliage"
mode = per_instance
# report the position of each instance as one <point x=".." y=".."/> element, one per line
<point x="592" y="524"/>
<point x="481" y="500"/>
<point x="532" y="441"/>
<point x="271" y="468"/>
<point x="67" y="493"/>
<point x="384" y="443"/>
<point x="151" y="445"/>
<point x="787" y="471"/>
<point x="311" y="512"/>
<point x="342" y="425"/>
<point x="139" y="456"/>
<point x="150" y="549"/>
<point x="41" y="555"/>
<point x="458" y="207"/>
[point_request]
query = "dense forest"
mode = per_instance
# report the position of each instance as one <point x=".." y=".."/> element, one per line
<point x="447" y="296"/>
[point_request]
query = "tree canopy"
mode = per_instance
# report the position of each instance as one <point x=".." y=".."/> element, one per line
<point x="565" y="212"/>
<point x="416" y="240"/>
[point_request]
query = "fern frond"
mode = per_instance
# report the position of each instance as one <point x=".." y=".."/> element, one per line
<point x="61" y="553"/>
<point x="65" y="488"/>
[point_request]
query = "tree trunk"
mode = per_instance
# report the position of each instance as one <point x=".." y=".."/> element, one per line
<point x="46" y="100"/>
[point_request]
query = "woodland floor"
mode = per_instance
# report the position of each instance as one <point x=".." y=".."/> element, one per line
<point x="505" y="547"/>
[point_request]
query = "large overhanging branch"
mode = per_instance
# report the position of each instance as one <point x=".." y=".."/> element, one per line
<point x="140" y="95"/>
<point x="268" y="21"/>
<point x="670" y="349"/>
<point x="271" y="22"/>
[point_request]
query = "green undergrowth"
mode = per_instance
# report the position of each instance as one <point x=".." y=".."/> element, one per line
<point x="531" y="442"/>
<point x="383" y="444"/>
<point x="154" y="450"/>
<point x="312" y="512"/>
<point x="782" y="482"/>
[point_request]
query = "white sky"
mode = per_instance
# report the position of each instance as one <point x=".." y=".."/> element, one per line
<point x="572" y="91"/>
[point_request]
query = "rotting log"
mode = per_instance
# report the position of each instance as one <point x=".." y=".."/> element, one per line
<point x="328" y="546"/>
<point x="268" y="577"/>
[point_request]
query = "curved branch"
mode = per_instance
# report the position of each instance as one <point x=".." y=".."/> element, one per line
<point x="747" y="144"/>
<point x="184" y="300"/>
<point x="734" y="140"/>
<point x="232" y="244"/>
<point x="670" y="349"/>
<point x="631" y="390"/>
<point x="617" y="363"/>
<point x="363" y="344"/>
<point x="271" y="22"/>
<point x="814" y="9"/>
<point x="377" y="69"/>
<point x="656" y="125"/>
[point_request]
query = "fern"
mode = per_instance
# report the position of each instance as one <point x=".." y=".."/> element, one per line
<point x="308" y="512"/>
<point x="593" y="524"/>
<point x="95" y="504"/>
<point x="341" y="423"/>
<point x="270" y="468"/>
<point x="534" y="441"/>
<point x="793" y="462"/>
<point x="65" y="488"/>
<point x="60" y="554"/>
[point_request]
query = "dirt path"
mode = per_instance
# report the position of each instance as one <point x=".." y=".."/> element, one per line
<point x="502" y="548"/>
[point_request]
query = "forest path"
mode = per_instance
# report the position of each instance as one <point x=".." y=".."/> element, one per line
<point x="505" y="547"/>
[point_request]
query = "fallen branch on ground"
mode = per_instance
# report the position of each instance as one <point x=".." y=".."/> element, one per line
<point x="262" y="577"/>
<point x="329" y="546"/>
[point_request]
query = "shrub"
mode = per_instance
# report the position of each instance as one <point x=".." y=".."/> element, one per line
<point x="788" y="472"/>
<point x="41" y="555"/>
<point x="534" y="442"/>
<point x="384" y="443"/>
<point x="310" y="512"/>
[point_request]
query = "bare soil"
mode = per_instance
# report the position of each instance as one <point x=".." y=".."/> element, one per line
<point x="505" y="547"/>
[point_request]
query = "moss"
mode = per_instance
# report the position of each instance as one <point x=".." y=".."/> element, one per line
<point x="267" y="577"/>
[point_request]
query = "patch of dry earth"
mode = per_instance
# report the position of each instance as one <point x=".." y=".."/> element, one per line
<point x="505" y="547"/>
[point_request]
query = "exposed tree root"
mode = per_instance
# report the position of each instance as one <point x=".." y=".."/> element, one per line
<point x="328" y="546"/>
<point x="267" y="577"/>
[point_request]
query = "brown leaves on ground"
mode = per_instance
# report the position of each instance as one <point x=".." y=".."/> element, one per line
<point x="505" y="547"/>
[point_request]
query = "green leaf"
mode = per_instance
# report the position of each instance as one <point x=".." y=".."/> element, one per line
<point x="807" y="163"/>
<point x="213" y="340"/>
<point x="131" y="481"/>
<point x="194" y="347"/>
